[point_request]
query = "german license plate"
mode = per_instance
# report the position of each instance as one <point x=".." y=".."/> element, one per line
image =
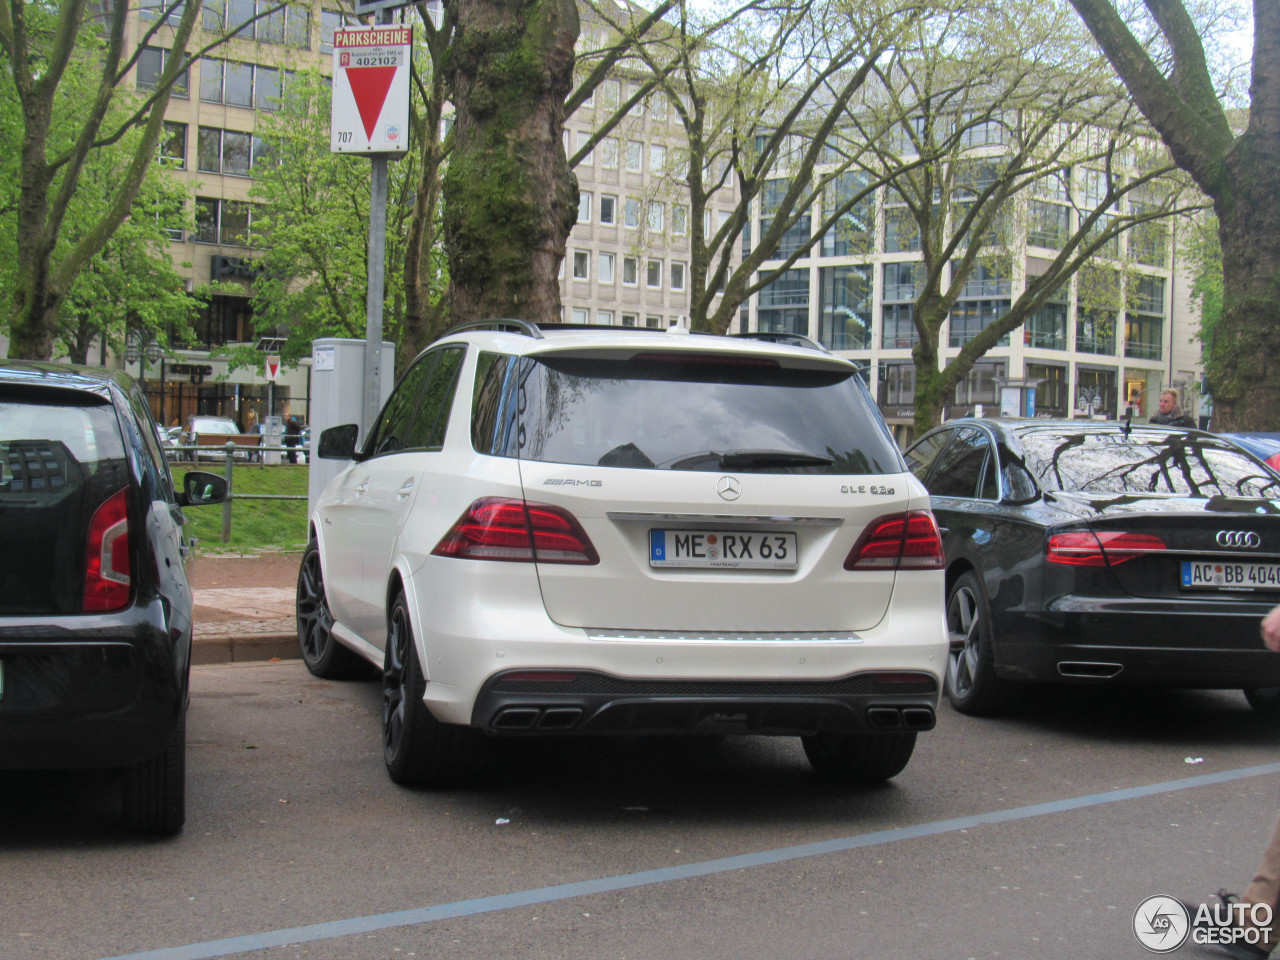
<point x="715" y="548"/>
<point x="1216" y="575"/>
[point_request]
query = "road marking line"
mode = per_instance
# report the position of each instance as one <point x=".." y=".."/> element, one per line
<point x="582" y="888"/>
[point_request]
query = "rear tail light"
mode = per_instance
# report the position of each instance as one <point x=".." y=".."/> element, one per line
<point x="500" y="528"/>
<point x="1084" y="548"/>
<point x="1273" y="462"/>
<point x="904" y="541"/>
<point x="108" y="574"/>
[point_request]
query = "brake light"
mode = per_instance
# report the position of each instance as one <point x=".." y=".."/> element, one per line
<point x="108" y="575"/>
<point x="903" y="541"/>
<point x="1109" y="548"/>
<point x="500" y="528"/>
<point x="1273" y="462"/>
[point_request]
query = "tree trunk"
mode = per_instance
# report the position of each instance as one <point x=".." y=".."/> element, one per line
<point x="510" y="199"/>
<point x="1244" y="359"/>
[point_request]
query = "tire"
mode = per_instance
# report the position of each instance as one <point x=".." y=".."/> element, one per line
<point x="153" y="793"/>
<point x="859" y="757"/>
<point x="418" y="749"/>
<point x="1265" y="701"/>
<point x="972" y="686"/>
<point x="324" y="655"/>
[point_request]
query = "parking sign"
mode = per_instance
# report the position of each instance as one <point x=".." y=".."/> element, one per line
<point x="370" y="105"/>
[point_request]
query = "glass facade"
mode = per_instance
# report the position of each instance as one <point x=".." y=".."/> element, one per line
<point x="844" y="307"/>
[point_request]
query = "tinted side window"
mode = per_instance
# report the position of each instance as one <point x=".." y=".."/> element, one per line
<point x="492" y="407"/>
<point x="428" y="427"/>
<point x="921" y="456"/>
<point x="959" y="470"/>
<point x="392" y="431"/>
<point x="157" y="468"/>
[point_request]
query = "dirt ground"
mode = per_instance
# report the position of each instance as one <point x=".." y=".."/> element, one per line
<point x="212" y="571"/>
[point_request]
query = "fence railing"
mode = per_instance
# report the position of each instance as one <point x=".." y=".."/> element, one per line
<point x="228" y="452"/>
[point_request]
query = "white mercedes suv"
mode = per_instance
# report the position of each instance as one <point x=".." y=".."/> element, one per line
<point x="559" y="530"/>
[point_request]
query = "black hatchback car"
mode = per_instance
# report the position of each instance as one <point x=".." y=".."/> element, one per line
<point x="1084" y="551"/>
<point x="95" y="609"/>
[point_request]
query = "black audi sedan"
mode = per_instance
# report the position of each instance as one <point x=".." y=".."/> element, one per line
<point x="1087" y="551"/>
<point x="95" y="609"/>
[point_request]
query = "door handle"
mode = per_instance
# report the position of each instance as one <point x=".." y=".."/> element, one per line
<point x="406" y="488"/>
<point x="362" y="487"/>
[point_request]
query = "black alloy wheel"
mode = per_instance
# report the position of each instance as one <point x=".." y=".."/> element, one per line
<point x="324" y="656"/>
<point x="418" y="749"/>
<point x="971" y="684"/>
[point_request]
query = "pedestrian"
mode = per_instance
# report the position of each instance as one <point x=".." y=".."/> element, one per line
<point x="292" y="434"/>
<point x="1170" y="413"/>
<point x="1245" y="908"/>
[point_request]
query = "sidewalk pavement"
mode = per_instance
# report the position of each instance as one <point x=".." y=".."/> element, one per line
<point x="233" y="624"/>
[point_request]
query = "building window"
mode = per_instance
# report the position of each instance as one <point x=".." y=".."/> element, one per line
<point x="658" y="107"/>
<point x="979" y="384"/>
<point x="1051" y="392"/>
<point x="844" y="307"/>
<point x="901" y="234"/>
<point x="224" y="151"/>
<point x="1046" y="329"/>
<point x="584" y="137"/>
<point x="1096" y="391"/>
<point x="897" y="326"/>
<point x="631" y="213"/>
<point x="854" y="231"/>
<point x="173" y="145"/>
<point x="629" y="319"/>
<point x="1096" y="331"/>
<point x="900" y="282"/>
<point x="653" y="322"/>
<point x="581" y="265"/>
<point x="630" y="271"/>
<point x="605" y="267"/>
<point x="635" y="156"/>
<point x="677" y="275"/>
<point x="679" y="220"/>
<point x="985" y="298"/>
<point x="222" y="221"/>
<point x="657" y="216"/>
<point x="897" y="384"/>
<point x="604" y="317"/>
<point x="1144" y="319"/>
<point x="657" y="159"/>
<point x="584" y="206"/>
<point x="609" y="153"/>
<point x="653" y="274"/>
<point x="1047" y="224"/>
<point x="239" y="84"/>
<point x="290" y="25"/>
<point x="151" y="64"/>
<point x="608" y="208"/>
<point x="152" y="9"/>
<point x="610" y="94"/>
<point x="783" y="305"/>
<point x="796" y="234"/>
<point x="581" y="315"/>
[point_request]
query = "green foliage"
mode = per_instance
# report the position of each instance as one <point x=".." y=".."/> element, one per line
<point x="313" y="227"/>
<point x="256" y="525"/>
<point x="1203" y="253"/>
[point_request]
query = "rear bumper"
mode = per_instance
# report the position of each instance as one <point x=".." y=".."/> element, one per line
<point x="513" y="703"/>
<point x="90" y="691"/>
<point x="1204" y="644"/>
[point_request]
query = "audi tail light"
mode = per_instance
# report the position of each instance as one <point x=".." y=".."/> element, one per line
<point x="108" y="575"/>
<point x="516" y="531"/>
<point x="903" y="541"/>
<point x="1084" y="548"/>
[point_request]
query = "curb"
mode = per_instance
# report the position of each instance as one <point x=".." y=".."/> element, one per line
<point x="243" y="647"/>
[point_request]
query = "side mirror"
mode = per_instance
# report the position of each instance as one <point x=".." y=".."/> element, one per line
<point x="338" y="443"/>
<point x="200" y="489"/>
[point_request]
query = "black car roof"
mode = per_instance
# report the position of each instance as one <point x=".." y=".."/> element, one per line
<point x="64" y="376"/>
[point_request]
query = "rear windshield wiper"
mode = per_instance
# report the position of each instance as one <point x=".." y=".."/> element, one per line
<point x="743" y="459"/>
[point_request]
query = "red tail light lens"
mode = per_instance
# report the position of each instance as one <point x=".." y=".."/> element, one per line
<point x="904" y="541"/>
<point x="108" y="575"/>
<point x="1086" y="549"/>
<point x="499" y="528"/>
<point x="1273" y="462"/>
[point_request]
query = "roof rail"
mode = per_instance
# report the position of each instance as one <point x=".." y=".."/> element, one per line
<point x="795" y="339"/>
<point x="506" y="323"/>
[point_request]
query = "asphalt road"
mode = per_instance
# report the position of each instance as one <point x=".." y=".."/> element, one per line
<point x="1034" y="837"/>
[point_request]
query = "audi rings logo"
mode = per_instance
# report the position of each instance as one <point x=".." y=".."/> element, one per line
<point x="728" y="488"/>
<point x="1240" y="539"/>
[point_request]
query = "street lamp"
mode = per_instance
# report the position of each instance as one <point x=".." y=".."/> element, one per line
<point x="139" y="347"/>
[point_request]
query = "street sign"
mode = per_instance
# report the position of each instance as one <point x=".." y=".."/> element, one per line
<point x="370" y="106"/>
<point x="273" y="367"/>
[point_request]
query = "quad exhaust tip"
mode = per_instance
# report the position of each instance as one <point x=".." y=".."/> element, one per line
<point x="900" y="718"/>
<point x="537" y="718"/>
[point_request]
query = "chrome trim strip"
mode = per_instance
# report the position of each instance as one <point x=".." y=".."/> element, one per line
<point x="721" y="519"/>
<point x="697" y="636"/>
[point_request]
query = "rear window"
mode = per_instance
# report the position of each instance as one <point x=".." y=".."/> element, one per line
<point x="693" y="412"/>
<point x="60" y="458"/>
<point x="1189" y="464"/>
